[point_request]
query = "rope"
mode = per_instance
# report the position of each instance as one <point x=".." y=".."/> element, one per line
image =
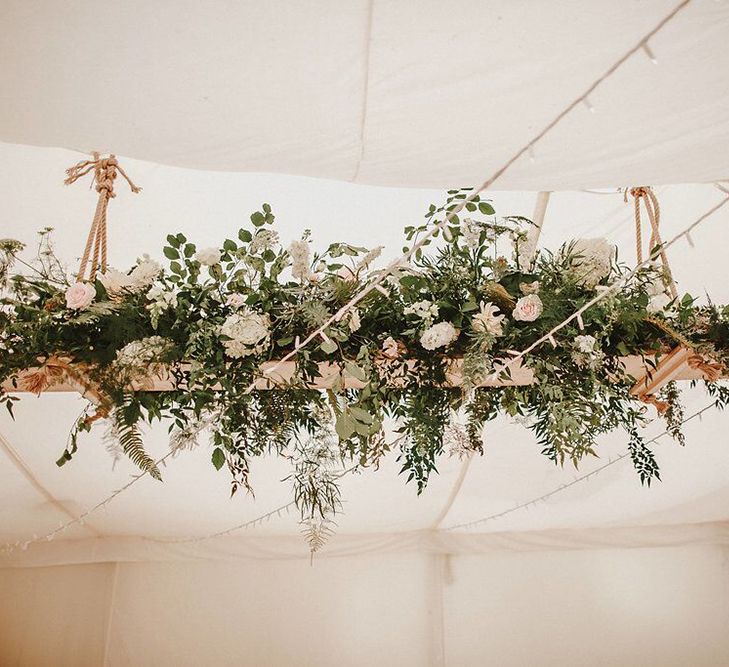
<point x="656" y="248"/>
<point x="105" y="173"/>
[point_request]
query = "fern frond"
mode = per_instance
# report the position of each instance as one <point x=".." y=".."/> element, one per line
<point x="130" y="440"/>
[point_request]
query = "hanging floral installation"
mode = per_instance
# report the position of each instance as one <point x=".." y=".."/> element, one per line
<point x="197" y="342"/>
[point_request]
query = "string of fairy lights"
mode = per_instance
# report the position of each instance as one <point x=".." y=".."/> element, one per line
<point x="375" y="283"/>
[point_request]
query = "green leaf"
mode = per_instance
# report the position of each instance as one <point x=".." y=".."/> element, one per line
<point x="328" y="346"/>
<point x="171" y="253"/>
<point x="172" y="240"/>
<point x="355" y="371"/>
<point x="218" y="458"/>
<point x="345" y="426"/>
<point x="258" y="219"/>
<point x="245" y="236"/>
<point x="486" y="208"/>
<point x="361" y="415"/>
<point x="229" y="245"/>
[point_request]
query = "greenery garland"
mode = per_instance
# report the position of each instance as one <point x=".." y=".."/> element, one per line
<point x="213" y="316"/>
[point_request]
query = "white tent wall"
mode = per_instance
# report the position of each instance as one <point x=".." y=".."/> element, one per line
<point x="599" y="607"/>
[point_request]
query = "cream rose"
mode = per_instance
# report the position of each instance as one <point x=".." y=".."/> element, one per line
<point x="79" y="296"/>
<point x="528" y="308"/>
<point x="439" y="335"/>
<point x="208" y="256"/>
<point x="390" y="348"/>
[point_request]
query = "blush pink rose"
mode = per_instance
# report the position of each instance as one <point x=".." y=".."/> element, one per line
<point x="528" y="308"/>
<point x="79" y="296"/>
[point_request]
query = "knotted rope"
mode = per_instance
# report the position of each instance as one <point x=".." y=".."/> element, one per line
<point x="105" y="172"/>
<point x="653" y="211"/>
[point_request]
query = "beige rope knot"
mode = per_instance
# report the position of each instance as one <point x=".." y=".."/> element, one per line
<point x="105" y="173"/>
<point x="646" y="195"/>
<point x="712" y="370"/>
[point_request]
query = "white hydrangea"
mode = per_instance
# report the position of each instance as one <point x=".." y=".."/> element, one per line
<point x="591" y="260"/>
<point x="439" y="335"/>
<point x="425" y="310"/>
<point x="139" y="354"/>
<point x="265" y="239"/>
<point x="245" y="333"/>
<point x="208" y="256"/>
<point x="488" y="321"/>
<point x="300" y="259"/>
<point x="585" y="344"/>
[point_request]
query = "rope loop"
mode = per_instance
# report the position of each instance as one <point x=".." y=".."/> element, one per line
<point x="646" y="195"/>
<point x="105" y="171"/>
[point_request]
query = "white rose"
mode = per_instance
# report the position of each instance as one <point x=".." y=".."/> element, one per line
<point x="79" y="296"/>
<point x="487" y="321"/>
<point x="439" y="335"/>
<point x="208" y="256"/>
<point x="528" y="308"/>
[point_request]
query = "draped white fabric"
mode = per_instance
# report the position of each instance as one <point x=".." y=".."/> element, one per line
<point x="395" y="92"/>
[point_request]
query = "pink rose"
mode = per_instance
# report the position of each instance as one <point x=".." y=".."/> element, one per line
<point x="528" y="308"/>
<point x="80" y="295"/>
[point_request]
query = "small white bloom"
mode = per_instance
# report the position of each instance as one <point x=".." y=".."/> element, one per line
<point x="487" y="320"/>
<point x="300" y="259"/>
<point x="161" y="297"/>
<point x="425" y="310"/>
<point x="115" y="283"/>
<point x="235" y="300"/>
<point x="79" y="296"/>
<point x="246" y="332"/>
<point x="354" y="320"/>
<point x="265" y="239"/>
<point x="470" y="232"/>
<point x="528" y="308"/>
<point x="585" y="344"/>
<point x="208" y="256"/>
<point x="439" y="335"/>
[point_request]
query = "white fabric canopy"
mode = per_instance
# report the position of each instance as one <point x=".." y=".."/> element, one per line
<point x="425" y="94"/>
<point x="393" y="93"/>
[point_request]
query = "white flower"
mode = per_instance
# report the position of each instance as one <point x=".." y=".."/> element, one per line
<point x="161" y="297"/>
<point x="208" y="256"/>
<point x="529" y="288"/>
<point x="354" y="320"/>
<point x="471" y="232"/>
<point x="439" y="335"/>
<point x="487" y="321"/>
<point x="585" y="344"/>
<point x="141" y="353"/>
<point x="390" y="348"/>
<point x="658" y="303"/>
<point x="246" y="332"/>
<point x="425" y="310"/>
<point x="265" y="239"/>
<point x="79" y="296"/>
<point x="525" y="249"/>
<point x="528" y="308"/>
<point x="144" y="273"/>
<point x="591" y="260"/>
<point x="370" y="257"/>
<point x="300" y="259"/>
<point x="235" y="300"/>
<point x="115" y="283"/>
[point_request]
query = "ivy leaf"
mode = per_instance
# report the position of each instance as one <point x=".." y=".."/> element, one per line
<point x="218" y="458"/>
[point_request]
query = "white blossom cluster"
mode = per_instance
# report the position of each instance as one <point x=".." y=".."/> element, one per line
<point x="245" y="332"/>
<point x="300" y="259"/>
<point x="265" y="239"/>
<point x="585" y="352"/>
<point x="139" y="278"/>
<point x="425" y="310"/>
<point x="139" y="354"/>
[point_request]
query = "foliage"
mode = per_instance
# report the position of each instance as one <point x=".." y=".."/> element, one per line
<point x="474" y="292"/>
